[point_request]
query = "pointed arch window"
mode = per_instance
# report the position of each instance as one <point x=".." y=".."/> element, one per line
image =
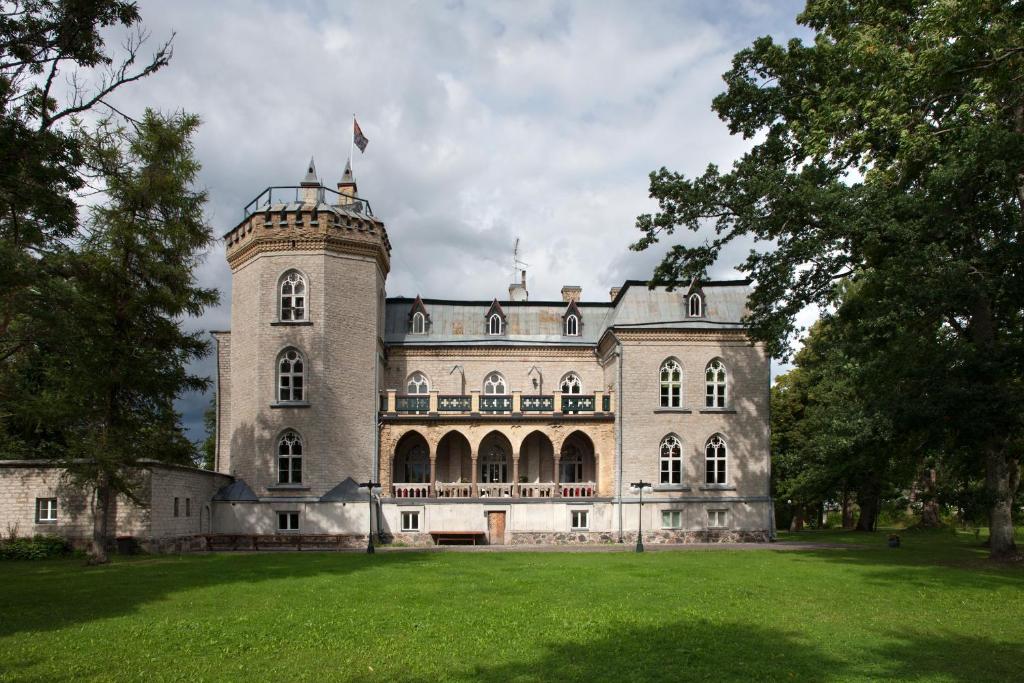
<point x="494" y="385"/>
<point x="293" y="296"/>
<point x="291" y="375"/>
<point x="696" y="304"/>
<point x="494" y="324"/>
<point x="671" y="384"/>
<point x="417" y="465"/>
<point x="715" y="385"/>
<point x="419" y="323"/>
<point x="570" y="467"/>
<point x="417" y="384"/>
<point x="671" y="460"/>
<point x="289" y="458"/>
<point x="572" y="325"/>
<point x="494" y="466"/>
<point x="571" y="384"/>
<point x="715" y="460"/>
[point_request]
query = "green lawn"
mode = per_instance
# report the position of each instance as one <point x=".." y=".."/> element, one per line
<point x="934" y="610"/>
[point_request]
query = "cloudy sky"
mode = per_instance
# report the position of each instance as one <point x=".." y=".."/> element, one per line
<point x="486" y="121"/>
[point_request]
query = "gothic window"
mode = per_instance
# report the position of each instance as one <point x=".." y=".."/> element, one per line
<point x="293" y="296"/>
<point x="572" y="326"/>
<point x="494" y="384"/>
<point x="671" y="460"/>
<point x="494" y="324"/>
<point x="289" y="458"/>
<point x="714" y="457"/>
<point x="671" y="384"/>
<point x="570" y="467"/>
<point x="290" y="377"/>
<point x="494" y="466"/>
<point x="417" y="384"/>
<point x="417" y="465"/>
<point x="696" y="305"/>
<point x="715" y="385"/>
<point x="419" y="323"/>
<point x="571" y="384"/>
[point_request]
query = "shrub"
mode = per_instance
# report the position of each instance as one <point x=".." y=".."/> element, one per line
<point x="38" y="547"/>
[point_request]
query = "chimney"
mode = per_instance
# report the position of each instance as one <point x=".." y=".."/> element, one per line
<point x="310" y="185"/>
<point x="347" y="188"/>
<point x="614" y="292"/>
<point x="571" y="293"/>
<point x="517" y="291"/>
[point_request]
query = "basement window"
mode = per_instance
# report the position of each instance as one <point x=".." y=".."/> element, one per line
<point x="580" y="520"/>
<point x="718" y="519"/>
<point x="287" y="521"/>
<point x="671" y="519"/>
<point x="410" y="521"/>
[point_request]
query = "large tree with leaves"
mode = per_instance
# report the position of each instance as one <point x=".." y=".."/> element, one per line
<point x="890" y="151"/>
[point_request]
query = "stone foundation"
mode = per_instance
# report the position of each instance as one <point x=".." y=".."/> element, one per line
<point x="285" y="542"/>
<point x="651" y="537"/>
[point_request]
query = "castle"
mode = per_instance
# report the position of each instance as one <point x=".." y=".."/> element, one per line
<point x="507" y="421"/>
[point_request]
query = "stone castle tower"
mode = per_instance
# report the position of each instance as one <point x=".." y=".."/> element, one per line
<point x="298" y="372"/>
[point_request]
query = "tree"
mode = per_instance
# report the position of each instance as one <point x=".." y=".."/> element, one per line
<point x="891" y="153"/>
<point x="209" y="447"/>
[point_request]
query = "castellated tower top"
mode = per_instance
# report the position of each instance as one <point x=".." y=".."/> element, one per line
<point x="306" y="217"/>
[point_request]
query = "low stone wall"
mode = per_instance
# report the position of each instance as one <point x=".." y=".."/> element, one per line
<point x="414" y="540"/>
<point x="650" y="537"/>
<point x="218" y="542"/>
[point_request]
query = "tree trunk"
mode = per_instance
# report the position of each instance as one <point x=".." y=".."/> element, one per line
<point x="1002" y="477"/>
<point x="869" y="505"/>
<point x="929" y="506"/>
<point x="99" y="522"/>
<point x="847" y="510"/>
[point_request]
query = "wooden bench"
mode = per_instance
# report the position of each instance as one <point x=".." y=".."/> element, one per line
<point x="442" y="537"/>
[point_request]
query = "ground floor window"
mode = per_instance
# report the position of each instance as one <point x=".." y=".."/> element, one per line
<point x="410" y="521"/>
<point x="46" y="510"/>
<point x="718" y="519"/>
<point x="176" y="508"/>
<point x="671" y="519"/>
<point x="188" y="507"/>
<point x="580" y="519"/>
<point x="287" y="521"/>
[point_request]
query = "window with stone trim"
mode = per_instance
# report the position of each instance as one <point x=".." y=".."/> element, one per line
<point x="715" y="460"/>
<point x="671" y="519"/>
<point x="291" y="377"/>
<point x="572" y="326"/>
<point x="671" y="460"/>
<point x="718" y="519"/>
<point x="289" y="458"/>
<point x="293" y="296"/>
<point x="46" y="510"/>
<point x="671" y="384"/>
<point x="287" y="521"/>
<point x="715" y="385"/>
<point x="579" y="520"/>
<point x="696" y="304"/>
<point x="495" y="385"/>
<point x="494" y="324"/>
<point x="410" y="521"/>
<point x="417" y="384"/>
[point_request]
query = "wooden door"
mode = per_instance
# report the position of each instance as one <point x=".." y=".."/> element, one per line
<point x="496" y="528"/>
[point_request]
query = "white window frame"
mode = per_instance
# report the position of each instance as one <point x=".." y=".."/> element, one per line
<point x="671" y="394"/>
<point x="573" y="382"/>
<point x="718" y="518"/>
<point x="419" y="323"/>
<point x="716" y="464"/>
<point x="494" y="324"/>
<point x="695" y="305"/>
<point x="287" y="391"/>
<point x="674" y="517"/>
<point x="665" y="462"/>
<point x="572" y="325"/>
<point x="288" y="516"/>
<point x="291" y="473"/>
<point x="46" y="510"/>
<point x="577" y="516"/>
<point x="716" y="385"/>
<point x="291" y="302"/>
<point x="492" y="381"/>
<point x="417" y="384"/>
<point x="410" y="520"/>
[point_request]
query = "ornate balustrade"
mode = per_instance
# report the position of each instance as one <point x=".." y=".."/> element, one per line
<point x="537" y="490"/>
<point x="454" y="404"/>
<point x="411" y="490"/>
<point x="575" y="403"/>
<point x="475" y="404"/>
<point x="453" y="490"/>
<point x="537" y="404"/>
<point x="412" y="404"/>
<point x="495" y="490"/>
<point x="585" y="489"/>
<point x="495" y="404"/>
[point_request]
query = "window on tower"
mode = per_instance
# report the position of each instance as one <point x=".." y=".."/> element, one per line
<point x="293" y="296"/>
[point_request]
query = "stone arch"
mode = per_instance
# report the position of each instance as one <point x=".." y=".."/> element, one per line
<point x="454" y="458"/>
<point x="536" y="458"/>
<point x="494" y="458"/>
<point x="410" y="461"/>
<point x="578" y="458"/>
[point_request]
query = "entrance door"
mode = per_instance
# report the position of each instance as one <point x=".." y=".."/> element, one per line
<point x="496" y="528"/>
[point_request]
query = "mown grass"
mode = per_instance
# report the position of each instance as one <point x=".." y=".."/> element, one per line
<point x="935" y="610"/>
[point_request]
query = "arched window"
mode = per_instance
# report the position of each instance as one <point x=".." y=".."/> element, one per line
<point x="696" y="306"/>
<point x="494" y="385"/>
<point x="714" y="460"/>
<point x="289" y="458"/>
<point x="417" y="465"/>
<point x="715" y="385"/>
<point x="494" y="466"/>
<point x="417" y="384"/>
<point x="571" y="384"/>
<point x="290" y="376"/>
<point x="570" y="468"/>
<point x="671" y="384"/>
<point x="572" y="325"/>
<point x="671" y="460"/>
<point x="293" y="296"/>
<point x="494" y="324"/>
<point x="419" y="323"/>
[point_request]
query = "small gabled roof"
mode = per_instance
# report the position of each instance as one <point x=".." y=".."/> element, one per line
<point x="495" y="307"/>
<point x="417" y="305"/>
<point x="237" y="492"/>
<point x="346" y="492"/>
<point x="574" y="309"/>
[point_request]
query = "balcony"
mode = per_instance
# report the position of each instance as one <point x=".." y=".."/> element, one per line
<point x="476" y="405"/>
<point x="542" y="490"/>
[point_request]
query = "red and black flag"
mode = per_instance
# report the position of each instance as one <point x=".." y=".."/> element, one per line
<point x="358" y="139"/>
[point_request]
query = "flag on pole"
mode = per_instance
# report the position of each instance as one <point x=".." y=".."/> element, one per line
<point x="358" y="138"/>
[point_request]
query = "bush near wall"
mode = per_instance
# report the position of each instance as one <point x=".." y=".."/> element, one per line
<point x="38" y="547"/>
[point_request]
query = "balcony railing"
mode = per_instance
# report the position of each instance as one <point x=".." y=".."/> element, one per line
<point x="495" y="404"/>
<point x="412" y="491"/>
<point x="454" y="404"/>
<point x="551" y="490"/>
<point x="538" y="404"/>
<point x="516" y="403"/>
<point x="412" y="404"/>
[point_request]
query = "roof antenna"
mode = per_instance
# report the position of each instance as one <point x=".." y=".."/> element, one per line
<point x="516" y="262"/>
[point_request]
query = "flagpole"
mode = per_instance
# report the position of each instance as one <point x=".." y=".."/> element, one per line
<point x="352" y="148"/>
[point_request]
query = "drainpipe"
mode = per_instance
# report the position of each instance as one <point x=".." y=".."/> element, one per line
<point x="618" y="429"/>
<point x="771" y="503"/>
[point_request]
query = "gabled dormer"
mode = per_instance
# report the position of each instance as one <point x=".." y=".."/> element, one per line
<point x="695" y="302"/>
<point x="572" y="320"/>
<point x="419" y="318"/>
<point x="495" y="320"/>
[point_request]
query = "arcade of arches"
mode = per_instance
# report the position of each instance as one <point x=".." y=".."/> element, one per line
<point x="515" y="460"/>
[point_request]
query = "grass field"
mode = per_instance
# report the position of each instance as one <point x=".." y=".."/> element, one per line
<point x="935" y="610"/>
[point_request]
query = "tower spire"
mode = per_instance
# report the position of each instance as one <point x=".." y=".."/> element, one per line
<point x="347" y="187"/>
<point x="310" y="185"/>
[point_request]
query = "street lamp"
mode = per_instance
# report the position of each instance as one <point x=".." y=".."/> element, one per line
<point x="370" y="486"/>
<point x="640" y="485"/>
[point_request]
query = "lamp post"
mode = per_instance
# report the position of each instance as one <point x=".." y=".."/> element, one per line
<point x="370" y="486"/>
<point x="640" y="485"/>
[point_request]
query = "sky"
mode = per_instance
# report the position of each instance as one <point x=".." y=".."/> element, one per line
<point x="486" y="122"/>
